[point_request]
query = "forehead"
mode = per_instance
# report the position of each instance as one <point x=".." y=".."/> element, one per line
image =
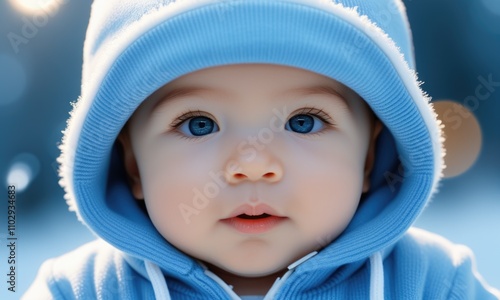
<point x="257" y="80"/>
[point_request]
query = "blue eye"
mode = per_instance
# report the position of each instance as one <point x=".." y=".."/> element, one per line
<point x="198" y="126"/>
<point x="304" y="124"/>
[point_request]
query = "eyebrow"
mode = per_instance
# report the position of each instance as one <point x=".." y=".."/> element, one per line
<point x="180" y="92"/>
<point x="320" y="89"/>
<point x="177" y="93"/>
<point x="324" y="90"/>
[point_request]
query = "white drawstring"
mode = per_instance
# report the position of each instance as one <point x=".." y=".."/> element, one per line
<point x="376" y="277"/>
<point x="157" y="279"/>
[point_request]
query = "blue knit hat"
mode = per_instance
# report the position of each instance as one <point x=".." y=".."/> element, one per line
<point x="134" y="47"/>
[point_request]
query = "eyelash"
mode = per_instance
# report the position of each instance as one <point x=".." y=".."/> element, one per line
<point x="313" y="111"/>
<point x="317" y="112"/>
<point x="188" y="115"/>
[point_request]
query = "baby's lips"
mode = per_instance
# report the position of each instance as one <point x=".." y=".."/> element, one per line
<point x="251" y="210"/>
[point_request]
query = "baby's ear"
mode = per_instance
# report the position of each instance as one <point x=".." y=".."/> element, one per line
<point x="130" y="164"/>
<point x="370" y="156"/>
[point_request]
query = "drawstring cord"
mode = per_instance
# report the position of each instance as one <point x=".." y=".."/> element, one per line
<point x="376" y="277"/>
<point x="157" y="279"/>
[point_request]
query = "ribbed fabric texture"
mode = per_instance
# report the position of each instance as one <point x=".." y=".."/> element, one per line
<point x="134" y="47"/>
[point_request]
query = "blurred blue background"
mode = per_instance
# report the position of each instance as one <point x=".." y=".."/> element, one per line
<point x="456" y="43"/>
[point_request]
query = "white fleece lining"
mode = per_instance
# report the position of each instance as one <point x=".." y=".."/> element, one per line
<point x="156" y="17"/>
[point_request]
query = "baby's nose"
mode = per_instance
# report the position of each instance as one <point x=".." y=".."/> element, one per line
<point x="261" y="167"/>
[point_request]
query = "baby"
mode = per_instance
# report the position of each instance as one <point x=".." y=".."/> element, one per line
<point x="253" y="150"/>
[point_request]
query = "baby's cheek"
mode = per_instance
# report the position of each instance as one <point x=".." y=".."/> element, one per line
<point x="328" y="201"/>
<point x="178" y="206"/>
<point x="164" y="201"/>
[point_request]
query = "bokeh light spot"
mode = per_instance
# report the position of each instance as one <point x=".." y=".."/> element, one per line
<point x="12" y="79"/>
<point x="23" y="170"/>
<point x="20" y="176"/>
<point x="463" y="138"/>
<point x="36" y="6"/>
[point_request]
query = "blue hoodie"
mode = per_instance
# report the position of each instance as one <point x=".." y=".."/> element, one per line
<point x="134" y="47"/>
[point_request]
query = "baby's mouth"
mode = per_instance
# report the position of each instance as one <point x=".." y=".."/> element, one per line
<point x="253" y="224"/>
<point x="250" y="217"/>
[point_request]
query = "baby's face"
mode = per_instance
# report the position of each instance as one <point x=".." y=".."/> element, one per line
<point x="250" y="167"/>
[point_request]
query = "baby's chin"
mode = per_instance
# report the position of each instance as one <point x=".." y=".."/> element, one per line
<point x="256" y="264"/>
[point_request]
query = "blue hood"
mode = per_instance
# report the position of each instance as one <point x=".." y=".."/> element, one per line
<point x="135" y="47"/>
